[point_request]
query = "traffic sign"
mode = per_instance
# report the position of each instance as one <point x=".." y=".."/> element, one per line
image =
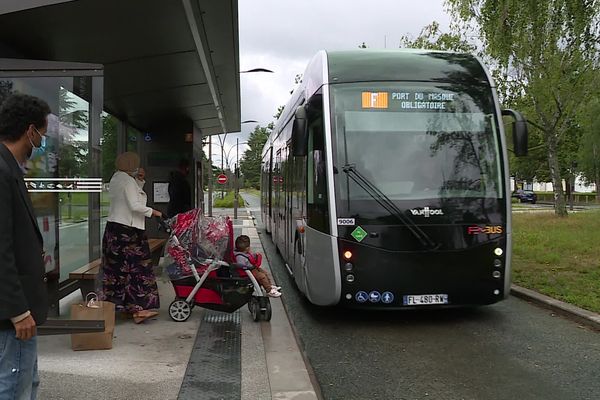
<point x="222" y="179"/>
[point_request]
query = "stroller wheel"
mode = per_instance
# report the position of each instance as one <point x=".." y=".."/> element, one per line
<point x="179" y="310"/>
<point x="254" y="307"/>
<point x="265" y="308"/>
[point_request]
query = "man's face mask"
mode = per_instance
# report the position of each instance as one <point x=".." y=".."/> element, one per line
<point x="37" y="150"/>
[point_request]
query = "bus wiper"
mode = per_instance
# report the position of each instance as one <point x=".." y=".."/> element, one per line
<point x="388" y="205"/>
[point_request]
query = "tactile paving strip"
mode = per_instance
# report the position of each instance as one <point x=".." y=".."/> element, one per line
<point x="214" y="371"/>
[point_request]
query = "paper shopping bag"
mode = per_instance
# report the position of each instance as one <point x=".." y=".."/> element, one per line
<point x="96" y="310"/>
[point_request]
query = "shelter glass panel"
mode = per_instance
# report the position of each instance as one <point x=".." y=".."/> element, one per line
<point x="57" y="175"/>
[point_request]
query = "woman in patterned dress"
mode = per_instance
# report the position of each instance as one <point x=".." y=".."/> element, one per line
<point x="128" y="279"/>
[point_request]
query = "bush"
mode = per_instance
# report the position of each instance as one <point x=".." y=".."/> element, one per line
<point x="227" y="201"/>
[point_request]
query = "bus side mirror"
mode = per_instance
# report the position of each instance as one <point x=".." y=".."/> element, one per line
<point x="519" y="132"/>
<point x="300" y="133"/>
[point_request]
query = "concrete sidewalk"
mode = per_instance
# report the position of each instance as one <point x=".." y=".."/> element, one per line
<point x="154" y="359"/>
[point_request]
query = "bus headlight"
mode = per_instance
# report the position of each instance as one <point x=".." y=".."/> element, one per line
<point x="496" y="274"/>
<point x="348" y="267"/>
<point x="497" y="263"/>
<point x="498" y="251"/>
<point x="349" y="278"/>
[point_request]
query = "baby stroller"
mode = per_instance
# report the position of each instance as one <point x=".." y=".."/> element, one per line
<point x="203" y="269"/>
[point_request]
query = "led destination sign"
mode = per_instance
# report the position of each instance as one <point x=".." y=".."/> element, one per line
<point x="407" y="100"/>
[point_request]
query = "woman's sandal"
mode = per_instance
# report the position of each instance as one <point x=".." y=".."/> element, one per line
<point x="141" y="316"/>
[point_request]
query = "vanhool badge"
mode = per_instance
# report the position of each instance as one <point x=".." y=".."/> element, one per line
<point x="359" y="234"/>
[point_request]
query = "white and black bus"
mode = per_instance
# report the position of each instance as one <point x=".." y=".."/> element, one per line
<point x="385" y="181"/>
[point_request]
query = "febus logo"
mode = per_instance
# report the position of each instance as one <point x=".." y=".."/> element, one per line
<point x="374" y="100"/>
<point x="489" y="230"/>
<point x="427" y="212"/>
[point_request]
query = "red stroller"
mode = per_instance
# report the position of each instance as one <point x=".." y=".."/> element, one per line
<point x="204" y="272"/>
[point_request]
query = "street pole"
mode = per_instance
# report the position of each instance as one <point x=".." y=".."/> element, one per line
<point x="571" y="189"/>
<point x="572" y="185"/>
<point x="210" y="177"/>
<point x="222" y="170"/>
<point x="236" y="188"/>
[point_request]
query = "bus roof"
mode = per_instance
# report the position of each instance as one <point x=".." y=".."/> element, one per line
<point x="405" y="65"/>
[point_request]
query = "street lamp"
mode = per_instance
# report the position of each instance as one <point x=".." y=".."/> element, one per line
<point x="256" y="70"/>
<point x="228" y="161"/>
<point x="222" y="144"/>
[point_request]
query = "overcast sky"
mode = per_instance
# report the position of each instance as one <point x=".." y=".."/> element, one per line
<point x="283" y="35"/>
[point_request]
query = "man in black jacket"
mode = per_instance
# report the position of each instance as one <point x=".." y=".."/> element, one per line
<point x="23" y="293"/>
<point x="180" y="192"/>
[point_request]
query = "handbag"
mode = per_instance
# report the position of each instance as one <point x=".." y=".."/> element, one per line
<point x="94" y="309"/>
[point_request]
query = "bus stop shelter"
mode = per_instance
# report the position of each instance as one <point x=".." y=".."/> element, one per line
<point x="151" y="76"/>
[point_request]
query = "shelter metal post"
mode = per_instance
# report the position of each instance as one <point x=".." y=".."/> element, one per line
<point x="210" y="177"/>
<point x="237" y="185"/>
<point x="95" y="170"/>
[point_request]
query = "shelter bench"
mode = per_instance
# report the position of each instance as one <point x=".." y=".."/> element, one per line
<point x="86" y="275"/>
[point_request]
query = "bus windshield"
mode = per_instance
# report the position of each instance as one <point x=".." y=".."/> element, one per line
<point x="416" y="142"/>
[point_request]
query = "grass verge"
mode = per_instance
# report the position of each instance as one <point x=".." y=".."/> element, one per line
<point x="559" y="257"/>
<point x="227" y="201"/>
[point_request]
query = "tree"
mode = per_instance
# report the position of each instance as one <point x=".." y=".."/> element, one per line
<point x="589" y="151"/>
<point x="109" y="146"/>
<point x="544" y="52"/>
<point x="251" y="160"/>
<point x="72" y="153"/>
<point x="278" y="113"/>
<point x="432" y="38"/>
<point x="6" y="89"/>
<point x="69" y="114"/>
<point x="73" y="159"/>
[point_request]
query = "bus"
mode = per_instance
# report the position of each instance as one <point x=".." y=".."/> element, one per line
<point x="385" y="181"/>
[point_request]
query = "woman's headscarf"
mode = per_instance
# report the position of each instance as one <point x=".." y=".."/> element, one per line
<point x="127" y="162"/>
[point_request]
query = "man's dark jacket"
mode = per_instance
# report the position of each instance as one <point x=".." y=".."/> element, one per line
<point x="180" y="194"/>
<point x="22" y="285"/>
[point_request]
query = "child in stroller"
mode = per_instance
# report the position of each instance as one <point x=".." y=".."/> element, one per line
<point x="204" y="272"/>
<point x="252" y="261"/>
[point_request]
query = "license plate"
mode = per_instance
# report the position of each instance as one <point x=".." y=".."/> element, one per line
<point x="425" y="299"/>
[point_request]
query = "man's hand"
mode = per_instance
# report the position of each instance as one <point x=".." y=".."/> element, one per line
<point x="25" y="328"/>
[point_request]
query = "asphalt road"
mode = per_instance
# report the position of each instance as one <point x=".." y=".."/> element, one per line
<point x="510" y="350"/>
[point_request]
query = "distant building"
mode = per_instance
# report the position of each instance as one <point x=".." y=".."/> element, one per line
<point x="580" y="186"/>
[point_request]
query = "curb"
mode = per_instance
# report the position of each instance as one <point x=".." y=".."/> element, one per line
<point x="585" y="317"/>
<point x="311" y="373"/>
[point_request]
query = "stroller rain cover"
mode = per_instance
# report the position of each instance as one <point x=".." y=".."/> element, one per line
<point x="200" y="237"/>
